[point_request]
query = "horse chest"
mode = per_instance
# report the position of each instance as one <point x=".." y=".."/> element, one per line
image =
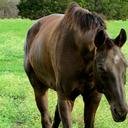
<point x="74" y="76"/>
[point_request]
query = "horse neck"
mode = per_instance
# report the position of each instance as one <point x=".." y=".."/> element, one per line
<point x="85" y="43"/>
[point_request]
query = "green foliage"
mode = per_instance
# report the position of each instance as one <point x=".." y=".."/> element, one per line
<point x="111" y="9"/>
<point x="35" y="9"/>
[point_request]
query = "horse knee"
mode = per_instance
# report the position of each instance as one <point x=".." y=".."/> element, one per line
<point x="46" y="121"/>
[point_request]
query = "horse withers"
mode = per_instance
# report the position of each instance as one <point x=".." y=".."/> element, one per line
<point x="73" y="54"/>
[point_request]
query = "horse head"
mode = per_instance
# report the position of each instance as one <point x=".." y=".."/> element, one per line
<point x="110" y="72"/>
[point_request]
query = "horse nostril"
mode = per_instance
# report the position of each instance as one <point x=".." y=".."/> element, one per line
<point x="120" y="113"/>
<point x="115" y="111"/>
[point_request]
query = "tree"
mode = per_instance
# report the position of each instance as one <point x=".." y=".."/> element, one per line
<point x="35" y="9"/>
<point x="111" y="9"/>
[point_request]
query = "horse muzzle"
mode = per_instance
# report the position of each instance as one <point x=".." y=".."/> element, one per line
<point x="119" y="114"/>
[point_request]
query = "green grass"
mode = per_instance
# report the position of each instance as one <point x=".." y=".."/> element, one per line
<point x="17" y="105"/>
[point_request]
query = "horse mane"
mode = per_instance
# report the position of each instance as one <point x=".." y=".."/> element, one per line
<point x="77" y="17"/>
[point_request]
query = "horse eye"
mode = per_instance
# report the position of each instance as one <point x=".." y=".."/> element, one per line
<point x="101" y="69"/>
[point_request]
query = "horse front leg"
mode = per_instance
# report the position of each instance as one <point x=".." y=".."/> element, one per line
<point x="91" y="99"/>
<point x="65" y="106"/>
<point x="56" y="118"/>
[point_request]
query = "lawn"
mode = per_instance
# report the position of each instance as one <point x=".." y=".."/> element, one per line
<point x="17" y="105"/>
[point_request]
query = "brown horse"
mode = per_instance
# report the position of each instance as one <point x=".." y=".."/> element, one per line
<point x="73" y="54"/>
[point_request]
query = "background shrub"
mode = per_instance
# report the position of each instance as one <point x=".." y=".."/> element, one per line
<point x="111" y="9"/>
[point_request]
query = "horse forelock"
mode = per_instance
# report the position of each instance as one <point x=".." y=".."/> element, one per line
<point x="78" y="18"/>
<point x="109" y="43"/>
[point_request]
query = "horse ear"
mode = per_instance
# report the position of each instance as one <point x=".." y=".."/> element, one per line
<point x="99" y="39"/>
<point x="121" y="38"/>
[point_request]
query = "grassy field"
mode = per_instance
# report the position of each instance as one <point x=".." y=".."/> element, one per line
<point x="17" y="105"/>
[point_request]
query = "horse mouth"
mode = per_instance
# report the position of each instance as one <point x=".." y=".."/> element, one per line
<point x="119" y="117"/>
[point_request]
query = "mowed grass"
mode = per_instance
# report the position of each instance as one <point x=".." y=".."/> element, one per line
<point x="17" y="104"/>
